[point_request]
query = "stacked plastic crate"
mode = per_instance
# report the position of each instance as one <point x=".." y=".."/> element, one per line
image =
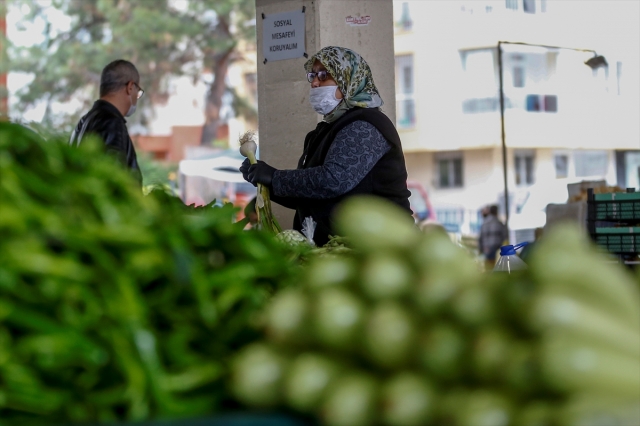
<point x="613" y="220"/>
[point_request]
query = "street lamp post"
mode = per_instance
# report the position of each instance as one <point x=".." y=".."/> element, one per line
<point x="595" y="62"/>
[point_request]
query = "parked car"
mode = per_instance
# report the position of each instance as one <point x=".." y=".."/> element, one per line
<point x="419" y="201"/>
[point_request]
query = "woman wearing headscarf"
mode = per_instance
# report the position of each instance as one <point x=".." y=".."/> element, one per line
<point x="354" y="150"/>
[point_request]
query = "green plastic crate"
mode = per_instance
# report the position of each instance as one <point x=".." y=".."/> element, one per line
<point x="617" y="196"/>
<point x="617" y="206"/>
<point x="620" y="240"/>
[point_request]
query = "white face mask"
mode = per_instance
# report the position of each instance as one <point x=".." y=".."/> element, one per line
<point x="323" y="99"/>
<point x="132" y="109"/>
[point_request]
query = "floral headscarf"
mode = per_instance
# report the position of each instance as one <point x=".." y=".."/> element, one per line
<point x="353" y="75"/>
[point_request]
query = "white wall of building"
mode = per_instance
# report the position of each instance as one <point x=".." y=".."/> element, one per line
<point x="184" y="106"/>
<point x="593" y="112"/>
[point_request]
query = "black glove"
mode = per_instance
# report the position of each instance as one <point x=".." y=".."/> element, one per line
<point x="262" y="173"/>
<point x="245" y="169"/>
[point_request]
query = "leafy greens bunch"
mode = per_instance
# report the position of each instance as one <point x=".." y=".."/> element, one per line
<point x="404" y="330"/>
<point x="114" y="305"/>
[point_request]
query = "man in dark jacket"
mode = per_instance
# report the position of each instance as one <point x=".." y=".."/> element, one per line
<point x="119" y="94"/>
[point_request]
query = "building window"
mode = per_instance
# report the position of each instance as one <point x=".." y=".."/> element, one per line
<point x="591" y="163"/>
<point x="479" y="81"/>
<point x="546" y="103"/>
<point x="405" y="21"/>
<point x="529" y="6"/>
<point x="449" y="169"/>
<point x="631" y="169"/>
<point x="533" y="103"/>
<point x="550" y="103"/>
<point x="450" y="218"/>
<point x="524" y="168"/>
<point x="406" y="116"/>
<point x="407" y="77"/>
<point x="518" y="77"/>
<point x="618" y="74"/>
<point x="472" y="106"/>
<point x="562" y="166"/>
<point x="511" y="4"/>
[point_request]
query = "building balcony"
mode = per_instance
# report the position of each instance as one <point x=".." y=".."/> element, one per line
<point x="541" y="122"/>
<point x="532" y="102"/>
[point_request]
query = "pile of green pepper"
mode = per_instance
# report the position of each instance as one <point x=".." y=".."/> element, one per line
<point x="114" y="305"/>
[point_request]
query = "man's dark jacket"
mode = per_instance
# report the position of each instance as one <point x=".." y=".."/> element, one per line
<point x="105" y="121"/>
<point x="387" y="179"/>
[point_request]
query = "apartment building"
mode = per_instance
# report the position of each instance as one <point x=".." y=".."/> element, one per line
<point x="564" y="121"/>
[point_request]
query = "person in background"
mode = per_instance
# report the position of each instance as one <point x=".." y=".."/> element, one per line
<point x="484" y="212"/>
<point x="119" y="94"/>
<point x="354" y="150"/>
<point x="493" y="234"/>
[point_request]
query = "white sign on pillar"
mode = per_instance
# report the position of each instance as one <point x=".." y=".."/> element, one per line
<point x="283" y="36"/>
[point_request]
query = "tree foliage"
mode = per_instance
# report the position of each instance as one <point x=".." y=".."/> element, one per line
<point x="163" y="38"/>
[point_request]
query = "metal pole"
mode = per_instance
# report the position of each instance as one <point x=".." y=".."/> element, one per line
<point x="501" y="88"/>
<point x="546" y="46"/>
<point x="504" y="144"/>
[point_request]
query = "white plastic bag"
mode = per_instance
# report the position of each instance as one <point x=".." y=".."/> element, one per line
<point x="308" y="229"/>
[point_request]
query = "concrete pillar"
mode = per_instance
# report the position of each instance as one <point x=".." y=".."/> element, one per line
<point x="284" y="113"/>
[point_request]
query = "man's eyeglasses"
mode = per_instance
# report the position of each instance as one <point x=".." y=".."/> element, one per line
<point x="140" y="90"/>
<point x="322" y="75"/>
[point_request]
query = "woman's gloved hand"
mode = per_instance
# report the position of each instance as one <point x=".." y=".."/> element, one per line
<point x="244" y="169"/>
<point x="262" y="173"/>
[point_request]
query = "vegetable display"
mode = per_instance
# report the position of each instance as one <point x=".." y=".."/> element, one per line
<point x="293" y="238"/>
<point x="114" y="305"/>
<point x="404" y="330"/>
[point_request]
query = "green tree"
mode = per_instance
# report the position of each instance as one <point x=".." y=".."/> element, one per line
<point x="163" y="38"/>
